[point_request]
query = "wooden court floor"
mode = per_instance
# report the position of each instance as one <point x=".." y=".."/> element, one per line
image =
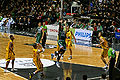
<point x="81" y="54"/>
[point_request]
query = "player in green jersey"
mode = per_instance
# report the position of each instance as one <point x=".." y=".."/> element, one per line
<point x="61" y="44"/>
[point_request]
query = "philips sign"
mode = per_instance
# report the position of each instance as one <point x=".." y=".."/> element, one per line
<point x="83" y="34"/>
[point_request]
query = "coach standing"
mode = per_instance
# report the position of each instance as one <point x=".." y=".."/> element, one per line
<point x="45" y="35"/>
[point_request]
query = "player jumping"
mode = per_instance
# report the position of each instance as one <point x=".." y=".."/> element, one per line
<point x="37" y="61"/>
<point x="61" y="44"/>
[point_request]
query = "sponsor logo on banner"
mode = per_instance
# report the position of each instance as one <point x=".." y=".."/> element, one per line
<point x="23" y="63"/>
<point x="83" y="34"/>
<point x="52" y="32"/>
<point x="83" y="37"/>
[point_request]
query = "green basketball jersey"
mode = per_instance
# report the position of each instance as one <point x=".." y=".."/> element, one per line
<point x="112" y="53"/>
<point x="45" y="28"/>
<point x="62" y="35"/>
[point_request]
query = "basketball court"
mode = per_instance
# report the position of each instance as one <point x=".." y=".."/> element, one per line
<point x="86" y="60"/>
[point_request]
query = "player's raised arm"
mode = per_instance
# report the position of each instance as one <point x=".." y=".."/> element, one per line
<point x="65" y="26"/>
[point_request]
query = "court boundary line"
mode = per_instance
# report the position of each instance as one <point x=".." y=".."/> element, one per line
<point x="15" y="74"/>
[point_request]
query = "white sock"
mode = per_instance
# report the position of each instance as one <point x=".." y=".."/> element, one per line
<point x="59" y="54"/>
<point x="33" y="72"/>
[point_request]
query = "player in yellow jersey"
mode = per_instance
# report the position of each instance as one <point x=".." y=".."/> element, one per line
<point x="69" y="35"/>
<point x="10" y="55"/>
<point x="37" y="61"/>
<point x="104" y="45"/>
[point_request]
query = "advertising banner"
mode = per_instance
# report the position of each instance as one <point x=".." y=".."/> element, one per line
<point x="117" y="35"/>
<point x="52" y="32"/>
<point x="83" y="34"/>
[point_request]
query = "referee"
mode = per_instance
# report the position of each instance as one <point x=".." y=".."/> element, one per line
<point x="112" y="59"/>
<point x="45" y="35"/>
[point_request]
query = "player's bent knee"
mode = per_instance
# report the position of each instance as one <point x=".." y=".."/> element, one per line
<point x="102" y="57"/>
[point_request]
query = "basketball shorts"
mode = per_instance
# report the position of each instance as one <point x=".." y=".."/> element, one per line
<point x="9" y="56"/>
<point x="38" y="38"/>
<point x="69" y="43"/>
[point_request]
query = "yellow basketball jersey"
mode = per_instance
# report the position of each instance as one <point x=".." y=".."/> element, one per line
<point x="105" y="44"/>
<point x="69" y="35"/>
<point x="7" y="48"/>
<point x="35" y="55"/>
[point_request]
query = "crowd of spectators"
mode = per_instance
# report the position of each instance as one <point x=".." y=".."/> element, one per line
<point x="105" y="8"/>
<point x="32" y="11"/>
<point x="105" y="14"/>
